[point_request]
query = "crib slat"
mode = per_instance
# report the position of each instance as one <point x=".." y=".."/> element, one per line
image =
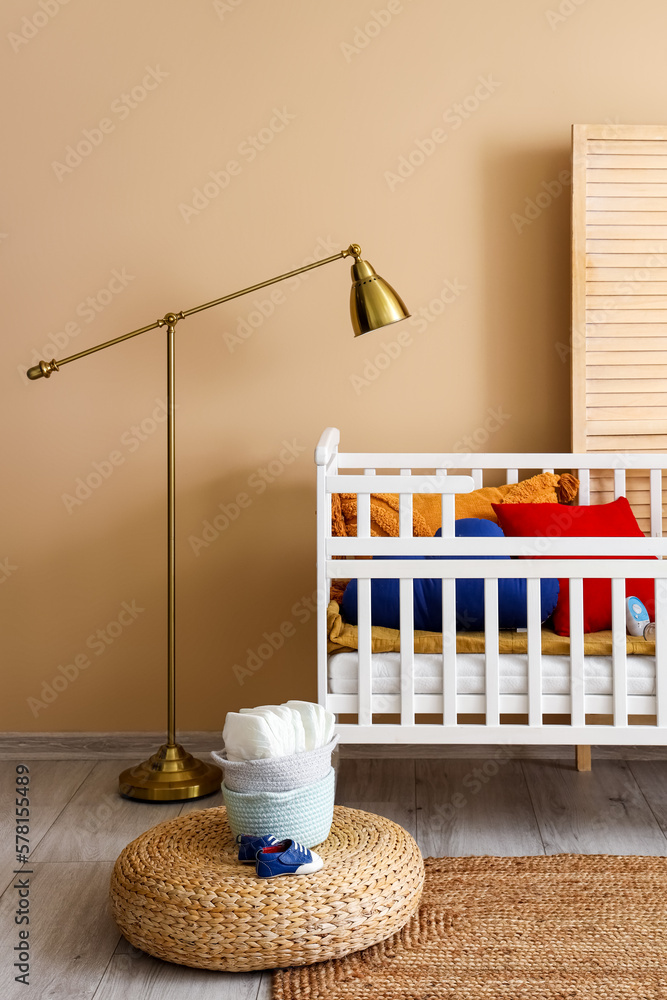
<point x="449" y="683"/>
<point x="491" y="655"/>
<point x="407" y="653"/>
<point x="577" y="690"/>
<point x="394" y="484"/>
<point x="323" y="584"/>
<point x="584" y="487"/>
<point x="619" y="653"/>
<point x="465" y="568"/>
<point x="444" y="512"/>
<point x="512" y="475"/>
<point x="619" y="483"/>
<point x="449" y="651"/>
<point x="548" y="470"/>
<point x="661" y="651"/>
<point x="534" y="653"/>
<point x="364" y="682"/>
<point x="656" y="503"/>
<point x="364" y="510"/>
<point x="448" y="507"/>
<point x="477" y="478"/>
<point x="405" y="510"/>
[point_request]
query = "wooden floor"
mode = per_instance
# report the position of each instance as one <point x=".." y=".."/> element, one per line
<point x="493" y="805"/>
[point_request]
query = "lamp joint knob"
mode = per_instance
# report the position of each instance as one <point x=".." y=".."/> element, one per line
<point x="171" y="318"/>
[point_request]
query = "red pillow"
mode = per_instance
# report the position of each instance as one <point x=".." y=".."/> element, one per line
<point x="554" y="520"/>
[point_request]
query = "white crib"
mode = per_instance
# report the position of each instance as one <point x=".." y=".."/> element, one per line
<point x="339" y="472"/>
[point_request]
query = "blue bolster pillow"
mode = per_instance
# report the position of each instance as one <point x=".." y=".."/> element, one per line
<point x="512" y="611"/>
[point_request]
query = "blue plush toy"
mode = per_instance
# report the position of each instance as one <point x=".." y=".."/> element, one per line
<point x="385" y="603"/>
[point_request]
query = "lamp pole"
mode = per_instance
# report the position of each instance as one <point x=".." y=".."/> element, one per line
<point x="172" y="773"/>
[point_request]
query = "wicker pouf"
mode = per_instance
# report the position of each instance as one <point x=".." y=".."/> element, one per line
<point x="179" y="893"/>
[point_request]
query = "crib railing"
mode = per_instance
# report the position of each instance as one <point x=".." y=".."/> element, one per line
<point x="450" y="704"/>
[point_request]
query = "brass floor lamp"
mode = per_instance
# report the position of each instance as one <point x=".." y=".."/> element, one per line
<point x="172" y="773"/>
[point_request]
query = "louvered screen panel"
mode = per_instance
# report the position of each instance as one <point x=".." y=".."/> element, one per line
<point x="637" y="492"/>
<point x="619" y="297"/>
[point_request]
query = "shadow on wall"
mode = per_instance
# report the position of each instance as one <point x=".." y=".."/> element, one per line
<point x="527" y="238"/>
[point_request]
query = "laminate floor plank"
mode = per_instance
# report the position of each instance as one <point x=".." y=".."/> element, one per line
<point x="98" y="823"/>
<point x="52" y="783"/>
<point x="601" y="811"/>
<point x="385" y="787"/>
<point x="475" y="807"/>
<point x="132" y="975"/>
<point x="651" y="776"/>
<point x="72" y="933"/>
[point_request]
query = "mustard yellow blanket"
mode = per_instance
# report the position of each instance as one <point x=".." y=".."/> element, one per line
<point x="387" y="640"/>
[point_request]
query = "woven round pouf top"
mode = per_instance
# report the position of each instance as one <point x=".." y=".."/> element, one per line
<point x="178" y="892"/>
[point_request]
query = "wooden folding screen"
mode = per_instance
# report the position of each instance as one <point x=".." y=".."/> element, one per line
<point x="619" y="296"/>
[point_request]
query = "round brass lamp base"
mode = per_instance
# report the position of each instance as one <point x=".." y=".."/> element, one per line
<point x="169" y="775"/>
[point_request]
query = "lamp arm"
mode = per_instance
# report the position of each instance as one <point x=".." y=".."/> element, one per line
<point x="45" y="368"/>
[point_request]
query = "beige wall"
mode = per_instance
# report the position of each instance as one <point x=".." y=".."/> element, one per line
<point x="337" y="93"/>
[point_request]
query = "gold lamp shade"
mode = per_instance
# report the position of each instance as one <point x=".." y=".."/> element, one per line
<point x="373" y="302"/>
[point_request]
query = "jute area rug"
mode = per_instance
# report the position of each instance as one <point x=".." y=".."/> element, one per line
<point x="568" y="926"/>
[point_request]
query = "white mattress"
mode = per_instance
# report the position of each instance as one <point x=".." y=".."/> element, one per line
<point x="343" y="672"/>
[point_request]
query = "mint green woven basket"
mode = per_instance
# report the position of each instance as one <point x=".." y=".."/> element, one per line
<point x="303" y="814"/>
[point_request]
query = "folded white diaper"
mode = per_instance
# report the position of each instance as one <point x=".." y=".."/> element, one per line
<point x="249" y="737"/>
<point x="318" y="724"/>
<point x="276" y="730"/>
<point x="286" y="724"/>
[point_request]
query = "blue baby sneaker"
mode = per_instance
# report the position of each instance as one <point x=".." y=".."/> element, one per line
<point x="287" y="858"/>
<point x="249" y="846"/>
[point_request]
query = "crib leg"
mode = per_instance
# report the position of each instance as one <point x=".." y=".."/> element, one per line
<point x="583" y="756"/>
